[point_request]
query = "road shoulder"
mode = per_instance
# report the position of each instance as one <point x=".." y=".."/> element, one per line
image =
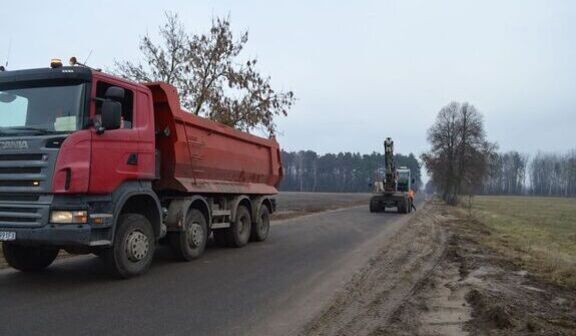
<point x="319" y="289"/>
<point x="370" y="299"/>
<point x="436" y="277"/>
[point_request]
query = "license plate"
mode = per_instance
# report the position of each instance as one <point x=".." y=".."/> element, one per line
<point x="7" y="235"/>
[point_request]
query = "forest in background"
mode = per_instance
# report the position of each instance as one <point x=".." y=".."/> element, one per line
<point x="341" y="172"/>
<point x="544" y="174"/>
<point x="509" y="173"/>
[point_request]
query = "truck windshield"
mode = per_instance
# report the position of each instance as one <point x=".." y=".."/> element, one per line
<point x="41" y="109"/>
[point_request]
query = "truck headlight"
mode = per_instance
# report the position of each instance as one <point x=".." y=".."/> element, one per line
<point x="69" y="217"/>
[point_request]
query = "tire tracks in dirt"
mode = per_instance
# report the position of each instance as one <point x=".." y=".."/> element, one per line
<point x="372" y="296"/>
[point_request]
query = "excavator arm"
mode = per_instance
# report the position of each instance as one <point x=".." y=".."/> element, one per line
<point x="390" y="179"/>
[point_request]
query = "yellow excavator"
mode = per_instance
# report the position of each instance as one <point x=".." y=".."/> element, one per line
<point x="395" y="190"/>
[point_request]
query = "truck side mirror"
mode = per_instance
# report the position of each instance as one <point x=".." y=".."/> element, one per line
<point x="111" y="115"/>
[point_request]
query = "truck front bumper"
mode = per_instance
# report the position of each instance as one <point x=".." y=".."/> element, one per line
<point x="51" y="235"/>
<point x="33" y="227"/>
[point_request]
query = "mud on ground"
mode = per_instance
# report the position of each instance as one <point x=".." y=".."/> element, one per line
<point x="436" y="278"/>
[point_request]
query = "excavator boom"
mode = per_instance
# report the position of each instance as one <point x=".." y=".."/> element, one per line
<point x="390" y="178"/>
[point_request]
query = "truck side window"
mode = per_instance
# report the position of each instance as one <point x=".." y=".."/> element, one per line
<point x="127" y="103"/>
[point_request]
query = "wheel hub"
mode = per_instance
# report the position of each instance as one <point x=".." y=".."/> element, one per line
<point x="137" y="246"/>
<point x="195" y="235"/>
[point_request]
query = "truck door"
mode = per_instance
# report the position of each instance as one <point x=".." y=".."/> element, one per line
<point x="114" y="156"/>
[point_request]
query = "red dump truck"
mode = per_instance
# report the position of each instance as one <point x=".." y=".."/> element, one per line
<point x="92" y="163"/>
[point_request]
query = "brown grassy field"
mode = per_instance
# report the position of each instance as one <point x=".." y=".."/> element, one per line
<point x="539" y="233"/>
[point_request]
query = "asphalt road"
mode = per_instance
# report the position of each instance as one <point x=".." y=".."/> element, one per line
<point x="267" y="288"/>
<point x="312" y="202"/>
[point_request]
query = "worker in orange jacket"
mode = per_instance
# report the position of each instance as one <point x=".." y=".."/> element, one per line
<point x="411" y="197"/>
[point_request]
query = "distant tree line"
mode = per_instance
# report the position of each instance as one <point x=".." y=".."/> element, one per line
<point x="342" y="172"/>
<point x="545" y="174"/>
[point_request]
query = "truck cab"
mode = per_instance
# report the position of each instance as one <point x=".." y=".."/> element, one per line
<point x="74" y="145"/>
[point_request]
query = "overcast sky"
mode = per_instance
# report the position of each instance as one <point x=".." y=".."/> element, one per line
<point x="361" y="70"/>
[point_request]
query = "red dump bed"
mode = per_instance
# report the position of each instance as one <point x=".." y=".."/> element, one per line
<point x="202" y="156"/>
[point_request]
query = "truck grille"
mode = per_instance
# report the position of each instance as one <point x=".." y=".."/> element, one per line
<point x="18" y="198"/>
<point x="19" y="215"/>
<point x="21" y="157"/>
<point x="25" y="183"/>
<point x="22" y="172"/>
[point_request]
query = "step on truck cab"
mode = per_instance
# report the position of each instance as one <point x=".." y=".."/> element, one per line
<point x="92" y="163"/>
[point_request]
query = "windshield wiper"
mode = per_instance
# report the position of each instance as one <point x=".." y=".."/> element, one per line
<point x="39" y="131"/>
<point x="6" y="131"/>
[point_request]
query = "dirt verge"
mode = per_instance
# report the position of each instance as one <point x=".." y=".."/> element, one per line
<point x="437" y="278"/>
<point x="372" y="297"/>
<point x="505" y="299"/>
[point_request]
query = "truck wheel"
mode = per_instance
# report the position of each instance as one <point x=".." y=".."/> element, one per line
<point x="190" y="243"/>
<point x="261" y="227"/>
<point x="239" y="232"/>
<point x="28" y="258"/>
<point x="374" y="205"/>
<point x="133" y="248"/>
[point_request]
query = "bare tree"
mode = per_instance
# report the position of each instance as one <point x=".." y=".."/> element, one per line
<point x="553" y="174"/>
<point x="458" y="159"/>
<point x="507" y="173"/>
<point x="545" y="174"/>
<point x="440" y="161"/>
<point x="210" y="78"/>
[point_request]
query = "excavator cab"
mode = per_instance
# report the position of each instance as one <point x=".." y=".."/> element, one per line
<point x="404" y="180"/>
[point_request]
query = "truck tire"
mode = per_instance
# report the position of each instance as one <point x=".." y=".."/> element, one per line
<point x="261" y="227"/>
<point x="133" y="248"/>
<point x="190" y="243"/>
<point x="239" y="231"/>
<point x="28" y="258"/>
<point x="374" y="207"/>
